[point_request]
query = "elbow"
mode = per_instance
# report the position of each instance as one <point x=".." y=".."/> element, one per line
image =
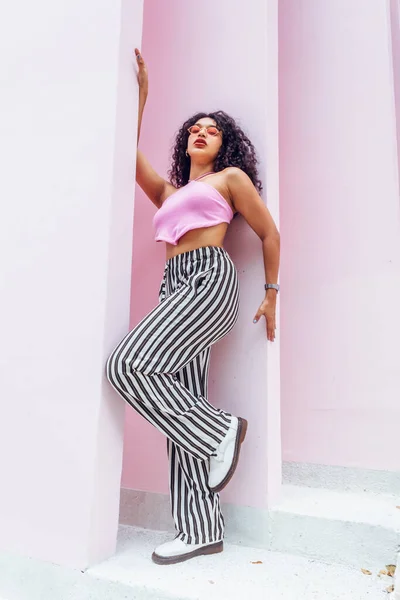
<point x="273" y="237"/>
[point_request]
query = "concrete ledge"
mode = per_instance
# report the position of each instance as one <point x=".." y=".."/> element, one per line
<point x="343" y="479"/>
<point x="145" y="509"/>
<point x="245" y="525"/>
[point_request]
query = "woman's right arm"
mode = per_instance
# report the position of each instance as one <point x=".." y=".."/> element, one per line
<point x="154" y="186"/>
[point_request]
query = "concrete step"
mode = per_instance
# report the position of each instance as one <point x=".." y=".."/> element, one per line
<point x="239" y="572"/>
<point x="346" y="527"/>
<point x="335" y="526"/>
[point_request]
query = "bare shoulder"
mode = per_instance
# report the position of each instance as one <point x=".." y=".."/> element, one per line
<point x="235" y="182"/>
<point x="234" y="171"/>
<point x="238" y="182"/>
<point x="236" y="176"/>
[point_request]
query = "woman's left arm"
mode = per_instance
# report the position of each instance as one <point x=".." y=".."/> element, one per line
<point x="248" y="203"/>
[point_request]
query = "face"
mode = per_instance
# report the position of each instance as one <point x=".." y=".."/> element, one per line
<point x="203" y="146"/>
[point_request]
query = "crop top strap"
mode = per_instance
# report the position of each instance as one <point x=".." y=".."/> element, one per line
<point x="200" y="176"/>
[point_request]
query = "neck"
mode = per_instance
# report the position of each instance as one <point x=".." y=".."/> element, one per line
<point x="197" y="171"/>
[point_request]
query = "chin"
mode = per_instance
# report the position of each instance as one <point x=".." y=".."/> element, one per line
<point x="199" y="150"/>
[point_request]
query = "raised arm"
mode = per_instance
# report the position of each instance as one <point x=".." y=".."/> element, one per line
<point x="153" y="185"/>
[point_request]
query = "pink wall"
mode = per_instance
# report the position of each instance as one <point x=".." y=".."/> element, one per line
<point x="204" y="57"/>
<point x="341" y="239"/>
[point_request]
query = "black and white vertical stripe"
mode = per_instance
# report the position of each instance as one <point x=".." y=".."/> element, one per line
<point x="161" y="367"/>
<point x="195" y="509"/>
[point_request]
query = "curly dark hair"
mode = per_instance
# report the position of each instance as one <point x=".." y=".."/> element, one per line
<point x="236" y="150"/>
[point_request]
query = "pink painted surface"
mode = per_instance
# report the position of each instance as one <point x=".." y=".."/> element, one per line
<point x="188" y="75"/>
<point x="340" y="230"/>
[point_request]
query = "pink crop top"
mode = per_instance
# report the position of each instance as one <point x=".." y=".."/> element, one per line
<point x="195" y="205"/>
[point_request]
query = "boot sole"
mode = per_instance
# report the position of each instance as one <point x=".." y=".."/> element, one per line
<point x="173" y="560"/>
<point x="241" y="434"/>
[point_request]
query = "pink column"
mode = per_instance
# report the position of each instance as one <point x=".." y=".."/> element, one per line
<point x="341" y="236"/>
<point x="67" y="150"/>
<point x="208" y="57"/>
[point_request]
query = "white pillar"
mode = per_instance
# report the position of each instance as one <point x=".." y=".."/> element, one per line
<point x="67" y="155"/>
<point x="395" y="30"/>
<point x="341" y="235"/>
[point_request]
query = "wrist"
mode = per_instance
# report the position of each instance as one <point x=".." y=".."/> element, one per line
<point x="272" y="288"/>
<point x="271" y="296"/>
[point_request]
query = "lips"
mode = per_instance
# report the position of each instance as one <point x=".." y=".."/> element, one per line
<point x="200" y="143"/>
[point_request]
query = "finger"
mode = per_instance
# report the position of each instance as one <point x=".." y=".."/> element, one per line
<point x="139" y="57"/>
<point x="258" y="315"/>
<point x="271" y="330"/>
<point x="269" y="324"/>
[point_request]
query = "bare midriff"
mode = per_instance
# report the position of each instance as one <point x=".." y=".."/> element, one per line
<point x="198" y="238"/>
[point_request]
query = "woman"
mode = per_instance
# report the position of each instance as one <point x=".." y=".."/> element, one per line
<point x="160" y="368"/>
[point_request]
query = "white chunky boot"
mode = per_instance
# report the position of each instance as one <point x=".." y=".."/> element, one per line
<point x="223" y="465"/>
<point x="177" y="551"/>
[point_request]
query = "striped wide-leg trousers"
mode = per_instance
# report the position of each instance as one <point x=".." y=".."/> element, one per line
<point x="161" y="367"/>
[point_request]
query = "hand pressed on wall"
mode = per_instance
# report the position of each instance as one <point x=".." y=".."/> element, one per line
<point x="143" y="78"/>
<point x="268" y="309"/>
